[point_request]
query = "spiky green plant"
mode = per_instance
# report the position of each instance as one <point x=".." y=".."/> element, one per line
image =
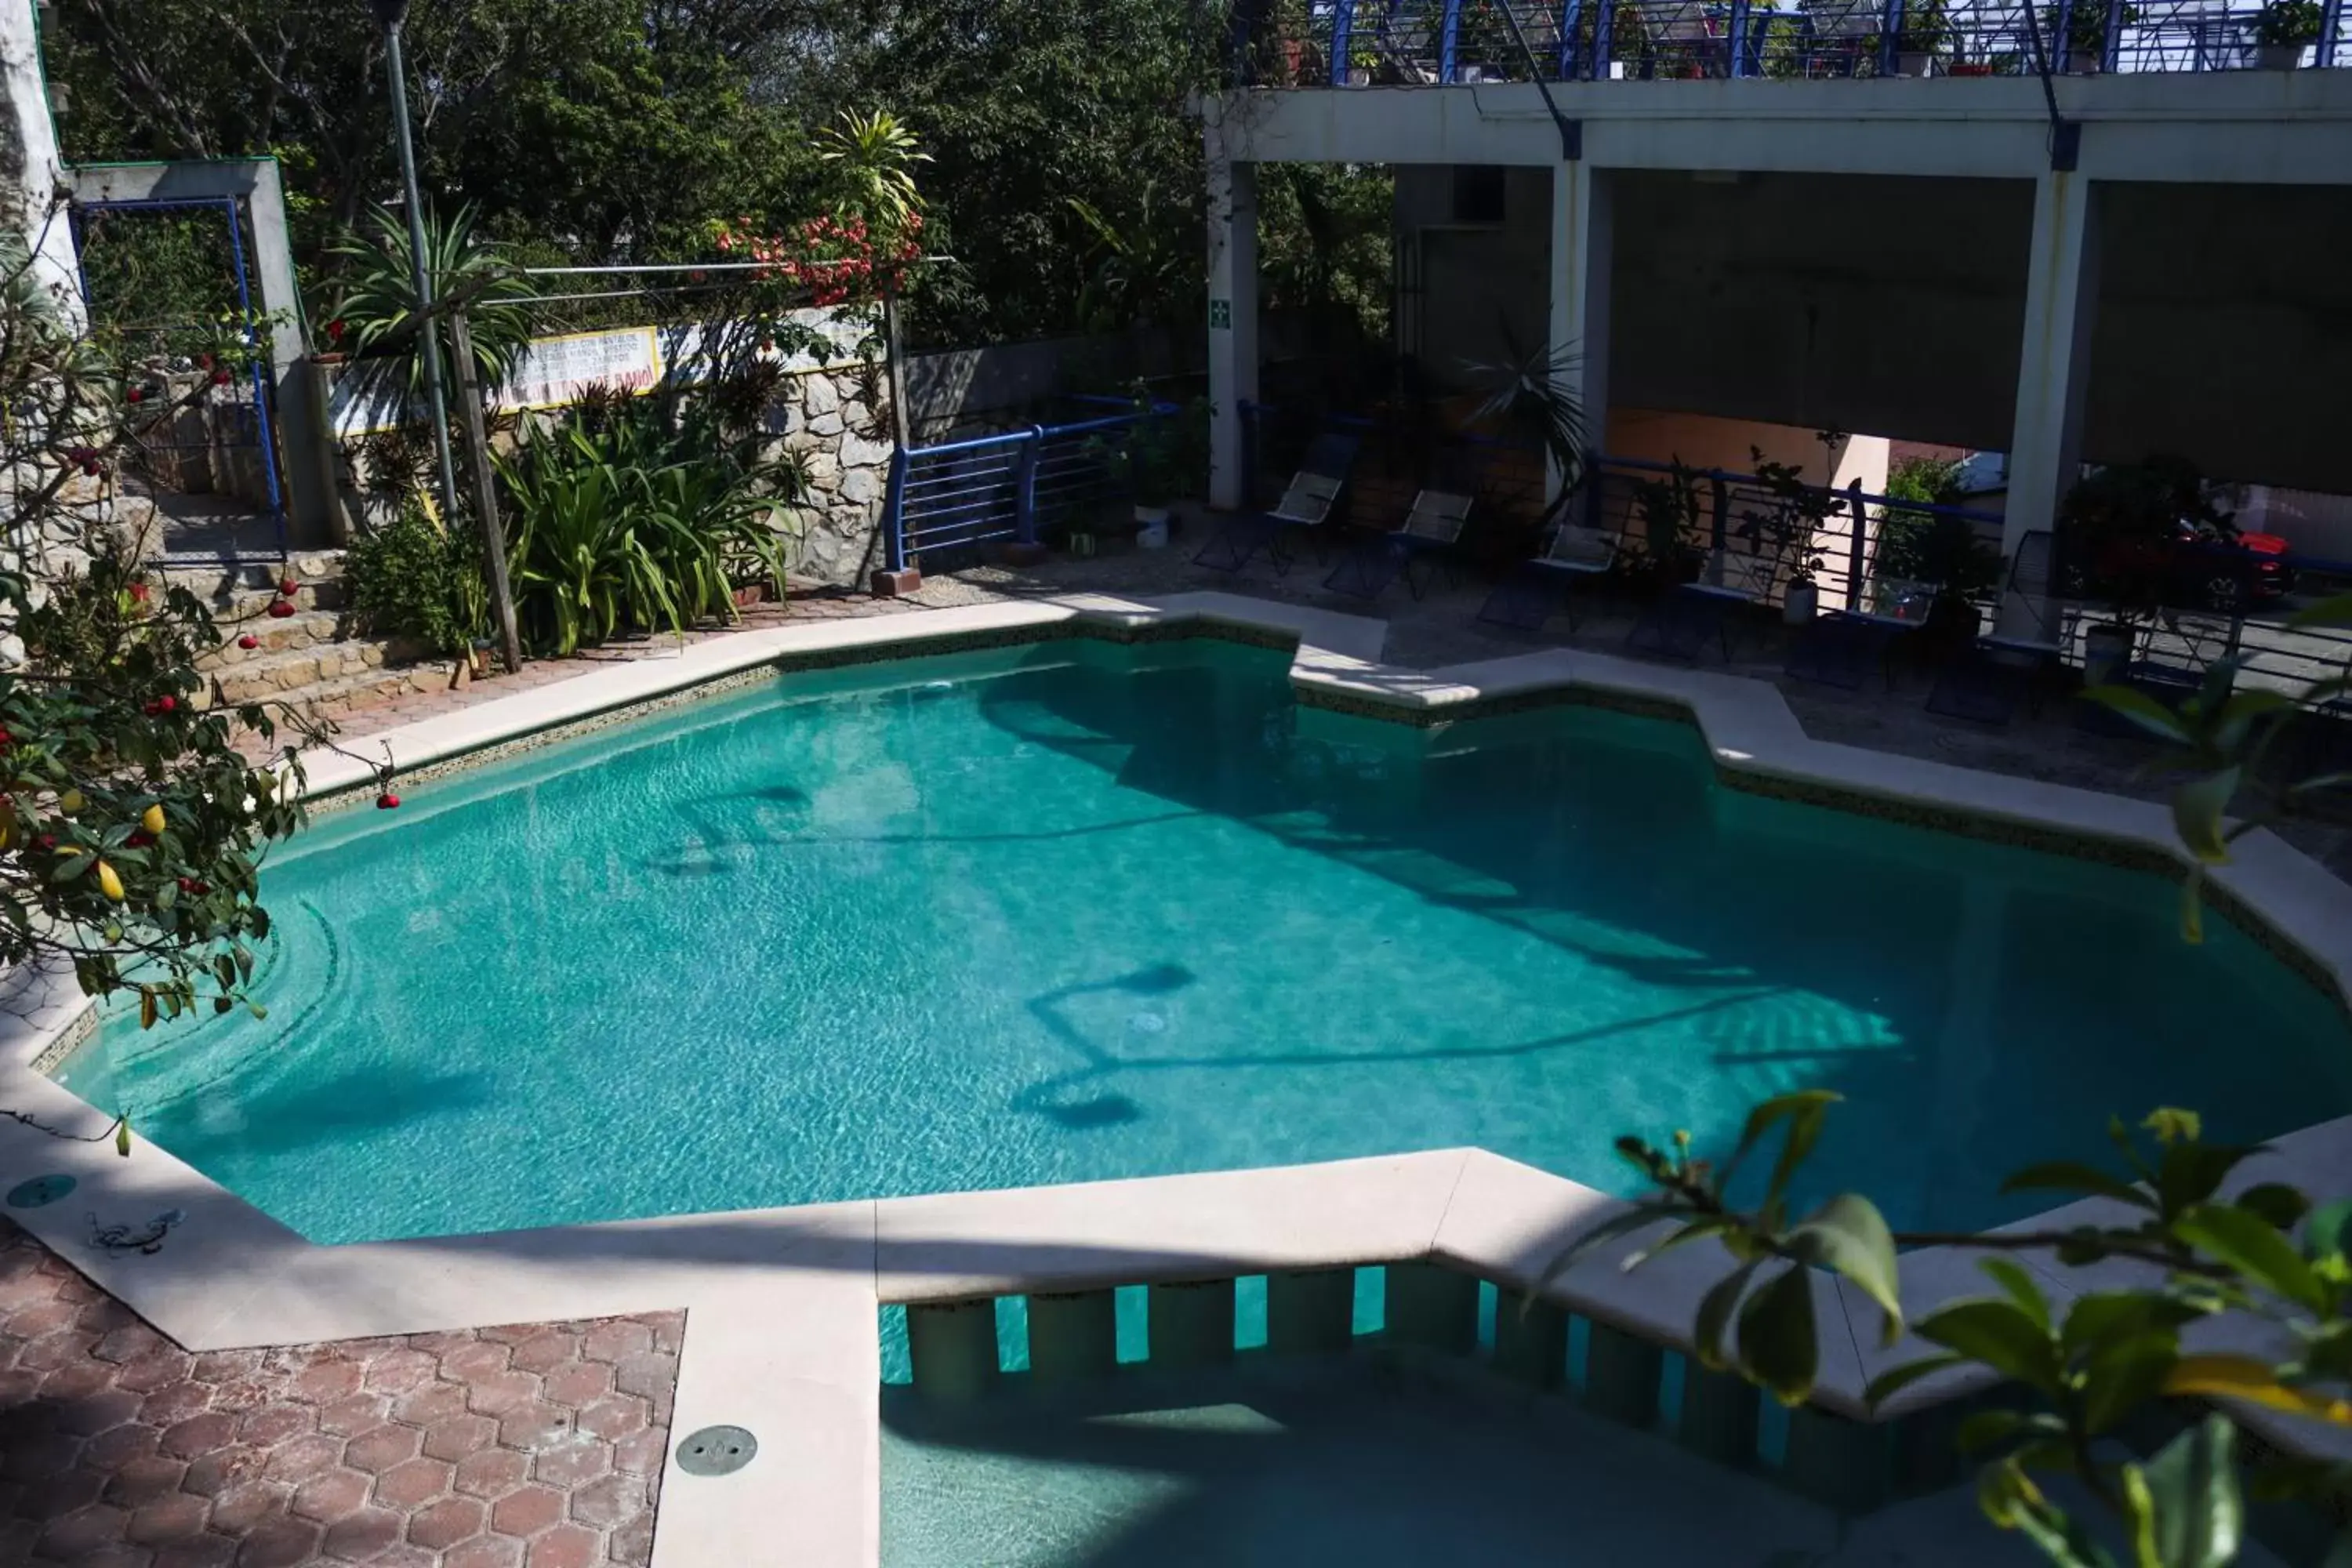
<point x="377" y="305"/>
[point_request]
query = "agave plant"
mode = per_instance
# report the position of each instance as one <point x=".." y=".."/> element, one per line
<point x="377" y="307"/>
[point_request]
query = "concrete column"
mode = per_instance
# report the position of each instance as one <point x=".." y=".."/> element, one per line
<point x="1233" y="316"/>
<point x="1621" y="1376"/>
<point x="952" y="1345"/>
<point x="1192" y="1323"/>
<point x="1530" y="1340"/>
<point x="1584" y="242"/>
<point x="2054" y="369"/>
<point x="1073" y="1336"/>
<point x="36" y="171"/>
<point x="1433" y="1306"/>
<point x="1310" y="1311"/>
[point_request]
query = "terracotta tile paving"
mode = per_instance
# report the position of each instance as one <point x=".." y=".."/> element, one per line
<point x="536" y="1446"/>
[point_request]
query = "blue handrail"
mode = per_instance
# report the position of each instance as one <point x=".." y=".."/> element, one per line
<point x="984" y="488"/>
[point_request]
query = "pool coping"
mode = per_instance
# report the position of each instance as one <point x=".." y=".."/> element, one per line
<point x="780" y="1303"/>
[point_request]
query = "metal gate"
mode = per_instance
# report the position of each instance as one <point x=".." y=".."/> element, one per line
<point x="213" y="468"/>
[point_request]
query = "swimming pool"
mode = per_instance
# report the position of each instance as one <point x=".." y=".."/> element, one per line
<point x="1081" y="910"/>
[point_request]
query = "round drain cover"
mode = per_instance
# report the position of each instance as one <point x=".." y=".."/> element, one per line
<point x="717" y="1451"/>
<point x="39" y="1191"/>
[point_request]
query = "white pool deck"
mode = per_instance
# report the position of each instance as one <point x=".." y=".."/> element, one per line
<point x="781" y="1329"/>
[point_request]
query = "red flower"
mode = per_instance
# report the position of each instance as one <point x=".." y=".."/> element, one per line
<point x="335" y="329"/>
<point x="138" y="591"/>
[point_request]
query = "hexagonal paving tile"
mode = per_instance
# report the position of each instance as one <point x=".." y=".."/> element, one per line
<point x="509" y="1447"/>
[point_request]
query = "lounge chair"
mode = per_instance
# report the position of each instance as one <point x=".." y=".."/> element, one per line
<point x="1312" y="502"/>
<point x="1431" y="529"/>
<point x="1545" y="586"/>
<point x="1683" y="621"/>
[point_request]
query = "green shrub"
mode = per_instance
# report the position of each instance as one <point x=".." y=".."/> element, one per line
<point x="415" y="579"/>
<point x="637" y="516"/>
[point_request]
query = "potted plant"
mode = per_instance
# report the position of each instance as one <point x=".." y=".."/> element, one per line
<point x="1789" y="529"/>
<point x="1161" y="460"/>
<point x="2118" y="534"/>
<point x="1665" y="517"/>
<point x="2282" y="30"/>
<point x="1924" y="33"/>
<point x="2086" y="45"/>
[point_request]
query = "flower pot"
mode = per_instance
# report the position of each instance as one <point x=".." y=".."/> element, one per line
<point x="750" y="594"/>
<point x="1802" y="603"/>
<point x="1151" y="527"/>
<point x="2107" y="652"/>
<point x="1969" y="67"/>
<point x="1359" y="76"/>
<point x="1915" y="62"/>
<point x="2277" y="57"/>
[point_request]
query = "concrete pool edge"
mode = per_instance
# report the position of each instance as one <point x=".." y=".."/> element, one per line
<point x="781" y="1331"/>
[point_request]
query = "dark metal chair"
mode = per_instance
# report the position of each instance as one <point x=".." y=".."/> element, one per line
<point x="1312" y="501"/>
<point x="2009" y="666"/>
<point x="1546" y="585"/>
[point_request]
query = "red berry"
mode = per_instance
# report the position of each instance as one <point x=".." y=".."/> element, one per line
<point x="139" y="841"/>
<point x="46" y="841"/>
<point x="139" y="592"/>
<point x="188" y="884"/>
<point x="220" y="378"/>
<point x="149" y="708"/>
<point x="387" y="801"/>
<point x="90" y="468"/>
<point x="286" y="585"/>
<point x="280" y="608"/>
<point x="134" y="395"/>
<point x="167" y="702"/>
<point x="248" y="641"/>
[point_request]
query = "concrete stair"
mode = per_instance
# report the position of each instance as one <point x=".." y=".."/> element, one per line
<point x="303" y="660"/>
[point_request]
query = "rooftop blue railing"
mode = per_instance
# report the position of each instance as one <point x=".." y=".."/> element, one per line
<point x="1340" y="43"/>
<point x="959" y="495"/>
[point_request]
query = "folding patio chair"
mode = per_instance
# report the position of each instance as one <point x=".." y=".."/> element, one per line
<point x="1843" y="648"/>
<point x="1546" y="586"/>
<point x="2010" y="665"/>
<point x="1432" y="530"/>
<point x="1311" y="503"/>
<point x="1682" y="622"/>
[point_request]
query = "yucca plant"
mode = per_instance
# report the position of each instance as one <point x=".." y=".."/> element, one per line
<point x="377" y="307"/>
<point x="871" y="161"/>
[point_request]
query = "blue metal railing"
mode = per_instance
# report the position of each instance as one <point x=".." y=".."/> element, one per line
<point x="1340" y="43"/>
<point x="1015" y="486"/>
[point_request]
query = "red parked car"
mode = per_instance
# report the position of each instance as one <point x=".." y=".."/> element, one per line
<point x="2197" y="568"/>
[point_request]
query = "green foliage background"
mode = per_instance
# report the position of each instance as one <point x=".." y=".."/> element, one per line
<point x="1065" y="179"/>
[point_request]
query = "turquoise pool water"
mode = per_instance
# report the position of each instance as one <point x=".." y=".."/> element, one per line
<point x="1078" y="912"/>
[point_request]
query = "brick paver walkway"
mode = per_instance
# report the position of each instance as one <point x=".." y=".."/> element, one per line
<point x="533" y="1446"/>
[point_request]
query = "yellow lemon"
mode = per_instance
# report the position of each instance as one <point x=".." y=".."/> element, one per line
<point x="108" y="883"/>
<point x="70" y="802"/>
<point x="151" y="820"/>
